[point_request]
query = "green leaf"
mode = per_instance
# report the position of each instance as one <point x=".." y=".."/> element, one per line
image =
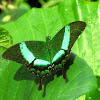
<point x="95" y="93"/>
<point x="18" y="83"/>
<point x="77" y="81"/>
<point x="22" y="9"/>
<point x="38" y="23"/>
<point x="87" y="46"/>
<point x="5" y="39"/>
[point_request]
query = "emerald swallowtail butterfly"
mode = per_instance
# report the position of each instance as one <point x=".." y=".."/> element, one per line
<point x="41" y="57"/>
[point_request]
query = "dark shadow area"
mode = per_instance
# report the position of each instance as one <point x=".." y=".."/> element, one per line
<point x="24" y="74"/>
<point x="0" y="10"/>
<point x="92" y="0"/>
<point x="98" y="81"/>
<point x="34" y="3"/>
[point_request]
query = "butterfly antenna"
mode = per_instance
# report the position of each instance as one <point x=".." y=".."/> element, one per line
<point x="53" y="25"/>
<point x="39" y="30"/>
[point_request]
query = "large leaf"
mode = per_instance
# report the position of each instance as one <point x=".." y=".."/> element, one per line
<point x="28" y="27"/>
<point x="88" y="47"/>
<point x="38" y="23"/>
<point x="95" y="93"/>
<point x="17" y="83"/>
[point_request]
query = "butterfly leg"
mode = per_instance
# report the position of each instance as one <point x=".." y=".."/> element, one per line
<point x="40" y="84"/>
<point x="63" y="72"/>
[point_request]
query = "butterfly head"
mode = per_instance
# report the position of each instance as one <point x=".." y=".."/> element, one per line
<point x="51" y="67"/>
<point x="48" y="38"/>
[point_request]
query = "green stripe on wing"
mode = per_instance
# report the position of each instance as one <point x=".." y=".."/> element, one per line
<point x="27" y="54"/>
<point x="66" y="38"/>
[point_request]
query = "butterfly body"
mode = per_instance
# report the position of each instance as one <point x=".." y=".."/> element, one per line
<point x="41" y="57"/>
<point x="39" y="66"/>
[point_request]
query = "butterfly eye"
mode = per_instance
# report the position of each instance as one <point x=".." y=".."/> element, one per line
<point x="53" y="66"/>
<point x="48" y="38"/>
<point x="49" y="67"/>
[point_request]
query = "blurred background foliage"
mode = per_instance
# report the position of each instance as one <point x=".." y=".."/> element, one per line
<point x="10" y="10"/>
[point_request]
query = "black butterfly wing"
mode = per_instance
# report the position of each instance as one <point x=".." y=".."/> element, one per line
<point x="26" y="52"/>
<point x="56" y="42"/>
<point x="39" y="49"/>
<point x="66" y="37"/>
<point x="13" y="53"/>
<point x="76" y="28"/>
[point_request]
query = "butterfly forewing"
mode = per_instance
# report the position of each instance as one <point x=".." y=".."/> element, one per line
<point x="56" y="42"/>
<point x="76" y="29"/>
<point x="26" y="52"/>
<point x="39" y="49"/>
<point x="60" y="42"/>
<point x="13" y="53"/>
<point x="66" y="37"/>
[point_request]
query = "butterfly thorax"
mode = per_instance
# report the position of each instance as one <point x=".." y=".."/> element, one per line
<point x="48" y="43"/>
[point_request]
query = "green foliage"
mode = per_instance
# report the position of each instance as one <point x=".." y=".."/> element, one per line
<point x="95" y="93"/>
<point x="11" y="11"/>
<point x="5" y="39"/>
<point x="87" y="45"/>
<point x="18" y="83"/>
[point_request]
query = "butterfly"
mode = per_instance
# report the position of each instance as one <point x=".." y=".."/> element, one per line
<point x="42" y="57"/>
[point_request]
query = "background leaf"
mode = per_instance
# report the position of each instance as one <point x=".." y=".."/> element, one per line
<point x="87" y="46"/>
<point x="28" y="27"/>
<point x="5" y="39"/>
<point x="18" y="83"/>
<point x="95" y="93"/>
